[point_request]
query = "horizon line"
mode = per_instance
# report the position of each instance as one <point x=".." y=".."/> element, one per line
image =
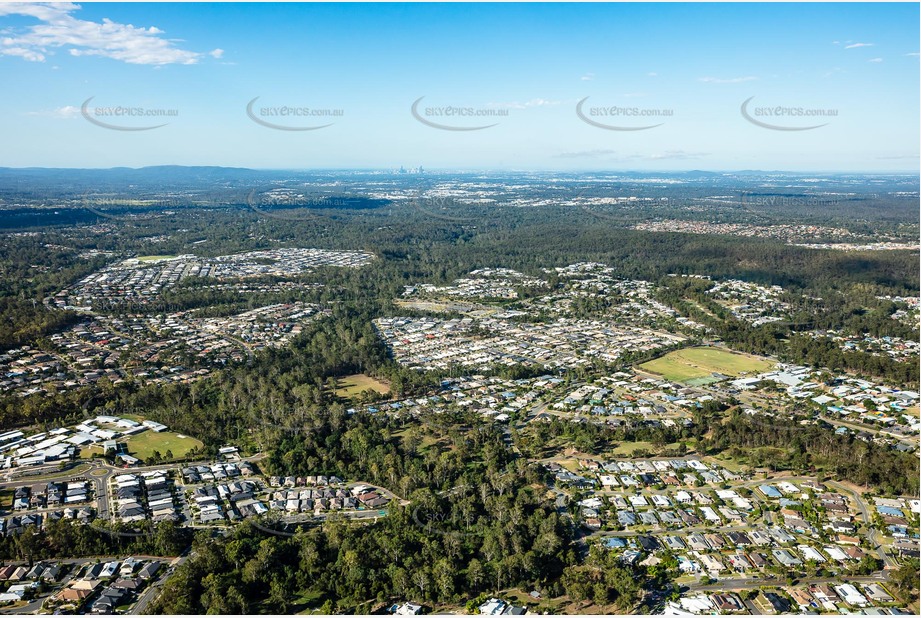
<point x="442" y="170"/>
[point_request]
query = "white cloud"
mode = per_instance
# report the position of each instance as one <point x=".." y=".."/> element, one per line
<point x="855" y="45"/>
<point x="587" y="77"/>
<point x="527" y="104"/>
<point x="875" y="60"/>
<point x="68" y="111"/>
<point x="678" y="154"/>
<point x="58" y="29"/>
<point x="730" y="80"/>
<point x="26" y="54"/>
<point x="652" y="74"/>
<point x="609" y="155"/>
<point x="216" y="53"/>
<point x="586" y="154"/>
<point x="540" y="103"/>
<point x="915" y="54"/>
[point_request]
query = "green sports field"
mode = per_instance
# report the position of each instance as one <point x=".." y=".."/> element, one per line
<point x="143" y="445"/>
<point x="155" y="258"/>
<point x="697" y="365"/>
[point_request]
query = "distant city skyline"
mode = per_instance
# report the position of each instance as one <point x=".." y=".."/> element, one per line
<point x="517" y="87"/>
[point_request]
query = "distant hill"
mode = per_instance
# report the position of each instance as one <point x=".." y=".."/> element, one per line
<point x="159" y="176"/>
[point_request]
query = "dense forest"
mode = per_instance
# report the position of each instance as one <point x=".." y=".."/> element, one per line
<point x="783" y="444"/>
<point x="64" y="538"/>
<point x="30" y="271"/>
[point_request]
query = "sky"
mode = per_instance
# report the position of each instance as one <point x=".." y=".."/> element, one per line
<point x="623" y="86"/>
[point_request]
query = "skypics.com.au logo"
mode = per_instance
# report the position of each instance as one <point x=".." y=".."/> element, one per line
<point x="290" y="117"/>
<point x="777" y="117"/>
<point x="452" y="117"/>
<point x="618" y="118"/>
<point x="123" y="117"/>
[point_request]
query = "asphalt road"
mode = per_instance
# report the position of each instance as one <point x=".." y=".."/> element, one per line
<point x="755" y="583"/>
<point x="872" y="533"/>
<point x="153" y="590"/>
<point x="676" y="532"/>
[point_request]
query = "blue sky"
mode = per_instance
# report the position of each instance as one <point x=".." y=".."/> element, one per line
<point x="687" y="68"/>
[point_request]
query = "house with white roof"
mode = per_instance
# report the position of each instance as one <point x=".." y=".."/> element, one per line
<point x="850" y="595"/>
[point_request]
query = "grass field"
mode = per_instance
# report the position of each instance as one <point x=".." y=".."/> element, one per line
<point x="154" y="258"/>
<point x="422" y="305"/>
<point x="693" y="364"/>
<point x="626" y="448"/>
<point x="570" y="464"/>
<point x="303" y="603"/>
<point x="726" y="462"/>
<point x="352" y="385"/>
<point x="143" y="445"/>
<point x="426" y="442"/>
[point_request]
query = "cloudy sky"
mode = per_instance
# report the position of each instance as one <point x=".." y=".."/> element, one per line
<point x="820" y="87"/>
